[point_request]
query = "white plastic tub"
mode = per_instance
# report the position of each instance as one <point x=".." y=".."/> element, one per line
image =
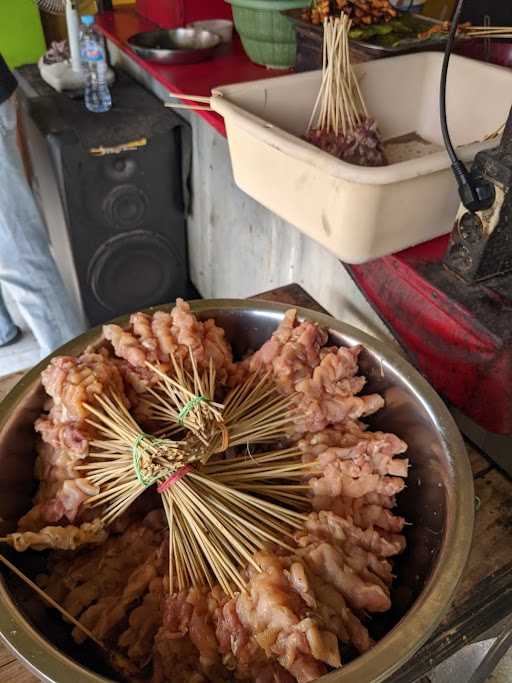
<point x="362" y="213"/>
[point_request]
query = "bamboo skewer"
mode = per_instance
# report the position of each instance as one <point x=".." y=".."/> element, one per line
<point x="195" y="107"/>
<point x="114" y="474"/>
<point x="203" y="102"/>
<point x="339" y="106"/>
<point x="238" y="522"/>
<point x="506" y="31"/>
<point x="467" y="31"/>
<point x="488" y="29"/>
<point x="196" y="98"/>
<point x="340" y="123"/>
<point x="244" y="418"/>
<point x="50" y="600"/>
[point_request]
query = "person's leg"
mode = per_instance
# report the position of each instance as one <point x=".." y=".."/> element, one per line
<point x="27" y="268"/>
<point x="8" y="330"/>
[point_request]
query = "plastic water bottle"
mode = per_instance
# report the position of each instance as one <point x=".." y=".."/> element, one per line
<point x="94" y="61"/>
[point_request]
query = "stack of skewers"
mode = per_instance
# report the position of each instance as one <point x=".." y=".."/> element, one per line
<point x="340" y="123"/>
<point x="467" y="30"/>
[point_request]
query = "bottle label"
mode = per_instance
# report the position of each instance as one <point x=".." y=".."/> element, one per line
<point x="94" y="54"/>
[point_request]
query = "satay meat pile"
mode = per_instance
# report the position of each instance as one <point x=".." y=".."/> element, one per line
<point x="304" y="606"/>
<point x="362" y="12"/>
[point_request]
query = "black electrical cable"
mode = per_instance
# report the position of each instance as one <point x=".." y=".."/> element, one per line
<point x="444" y="77"/>
<point x="475" y="192"/>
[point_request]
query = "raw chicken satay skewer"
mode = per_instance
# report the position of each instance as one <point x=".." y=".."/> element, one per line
<point x="68" y="537"/>
<point x="49" y="600"/>
<point x="340" y="123"/>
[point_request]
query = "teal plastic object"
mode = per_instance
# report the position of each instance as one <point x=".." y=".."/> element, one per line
<point x="267" y="35"/>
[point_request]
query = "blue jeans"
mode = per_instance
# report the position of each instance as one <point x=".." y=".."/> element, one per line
<point x="27" y="269"/>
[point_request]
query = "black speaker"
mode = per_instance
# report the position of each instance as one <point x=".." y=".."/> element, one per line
<point x="113" y="189"/>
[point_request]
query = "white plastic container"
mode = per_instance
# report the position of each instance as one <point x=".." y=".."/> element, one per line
<point x="363" y="213"/>
<point x="222" y="27"/>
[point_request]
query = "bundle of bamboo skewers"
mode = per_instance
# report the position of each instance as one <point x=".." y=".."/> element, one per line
<point x="223" y="503"/>
<point x="226" y="494"/>
<point x="340" y="123"/>
<point x="221" y="509"/>
<point x="487" y="31"/>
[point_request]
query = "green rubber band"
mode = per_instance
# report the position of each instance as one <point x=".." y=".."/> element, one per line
<point x="194" y="401"/>
<point x="137" y="455"/>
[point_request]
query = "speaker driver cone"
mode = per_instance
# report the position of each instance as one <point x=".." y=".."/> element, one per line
<point x="126" y="206"/>
<point x="134" y="270"/>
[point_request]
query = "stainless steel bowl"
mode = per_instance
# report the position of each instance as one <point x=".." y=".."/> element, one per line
<point x="179" y="46"/>
<point x="439" y="501"/>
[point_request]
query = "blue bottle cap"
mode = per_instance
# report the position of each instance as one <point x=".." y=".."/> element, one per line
<point x="88" y="19"/>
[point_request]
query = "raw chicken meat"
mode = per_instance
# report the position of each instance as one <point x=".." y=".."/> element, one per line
<point x="59" y="538"/>
<point x="283" y="624"/>
<point x="152" y="339"/>
<point x="324" y="380"/>
<point x="65" y="435"/>
<point x="71" y="382"/>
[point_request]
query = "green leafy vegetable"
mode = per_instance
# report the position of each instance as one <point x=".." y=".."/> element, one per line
<point x="404" y="30"/>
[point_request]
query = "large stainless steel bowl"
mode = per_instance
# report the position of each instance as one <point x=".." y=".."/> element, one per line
<point x="177" y="46"/>
<point x="438" y="502"/>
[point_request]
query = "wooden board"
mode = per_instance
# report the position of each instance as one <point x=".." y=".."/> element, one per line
<point x="12" y="671"/>
<point x="485" y="593"/>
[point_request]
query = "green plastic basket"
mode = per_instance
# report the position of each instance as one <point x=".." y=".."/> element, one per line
<point x="268" y="36"/>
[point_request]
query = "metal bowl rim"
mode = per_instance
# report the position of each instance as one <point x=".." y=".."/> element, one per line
<point x="418" y="624"/>
<point x="214" y="37"/>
